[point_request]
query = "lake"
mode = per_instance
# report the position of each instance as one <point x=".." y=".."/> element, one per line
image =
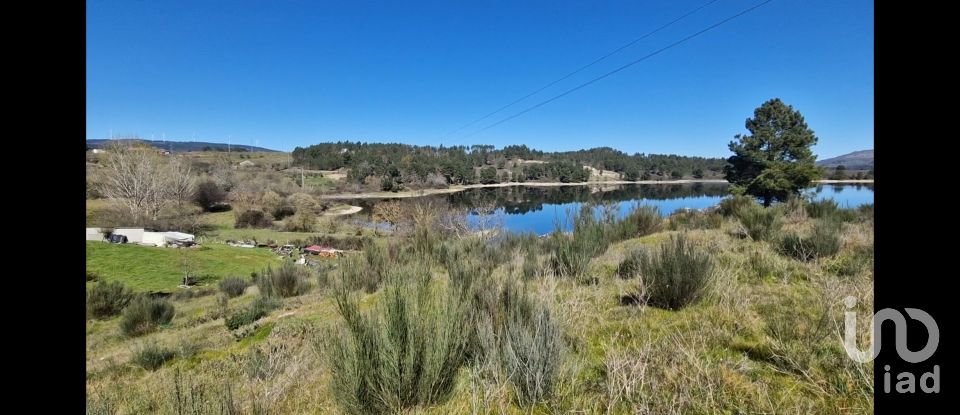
<point x="539" y="209"/>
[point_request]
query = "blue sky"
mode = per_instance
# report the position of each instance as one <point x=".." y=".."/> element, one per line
<point x="288" y="73"/>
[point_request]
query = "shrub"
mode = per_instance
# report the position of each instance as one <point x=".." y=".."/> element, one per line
<point x="189" y="293"/>
<point x="641" y="221"/>
<point x="144" y="314"/>
<point x="695" y="219"/>
<point x="732" y="205"/>
<point x="302" y="221"/>
<point x="365" y="272"/>
<point x="233" y="286"/>
<point x="92" y="276"/>
<point x="676" y="275"/>
<point x="852" y="262"/>
<point x="151" y="356"/>
<point x="830" y="210"/>
<point x="253" y="218"/>
<point x="286" y="281"/>
<point x="404" y="353"/>
<point x="255" y="311"/>
<point x="107" y="299"/>
<point x="824" y="241"/>
<point x="521" y="336"/>
<point x="761" y="223"/>
<point x="572" y="254"/>
<point x="865" y="212"/>
<point x="822" y="208"/>
<point x="208" y="194"/>
<point x="630" y="266"/>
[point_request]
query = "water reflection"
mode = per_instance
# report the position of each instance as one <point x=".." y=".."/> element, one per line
<point x="539" y="208"/>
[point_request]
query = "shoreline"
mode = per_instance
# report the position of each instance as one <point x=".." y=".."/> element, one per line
<point x="460" y="188"/>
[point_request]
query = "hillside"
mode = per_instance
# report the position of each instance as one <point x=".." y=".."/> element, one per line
<point x="184" y="145"/>
<point x="857" y="160"/>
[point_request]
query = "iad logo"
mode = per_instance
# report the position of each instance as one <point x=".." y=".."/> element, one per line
<point x="906" y="380"/>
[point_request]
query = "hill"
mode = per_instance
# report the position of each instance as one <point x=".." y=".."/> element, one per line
<point x="857" y="160"/>
<point x="185" y="145"/>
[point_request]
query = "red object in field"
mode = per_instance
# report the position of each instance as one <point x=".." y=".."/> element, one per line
<point x="314" y="248"/>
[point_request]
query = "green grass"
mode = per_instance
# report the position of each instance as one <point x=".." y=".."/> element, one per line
<point x="224" y="230"/>
<point x="145" y="268"/>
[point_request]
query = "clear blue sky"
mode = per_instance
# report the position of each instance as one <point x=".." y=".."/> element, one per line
<point x="288" y="73"/>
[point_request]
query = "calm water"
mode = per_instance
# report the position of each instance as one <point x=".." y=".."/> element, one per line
<point x="540" y="209"/>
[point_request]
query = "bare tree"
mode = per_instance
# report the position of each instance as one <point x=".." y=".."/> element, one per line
<point x="180" y="176"/>
<point x="489" y="221"/>
<point x="133" y="177"/>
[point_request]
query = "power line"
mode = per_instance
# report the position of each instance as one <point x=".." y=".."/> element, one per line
<point x="658" y="51"/>
<point x="615" y="51"/>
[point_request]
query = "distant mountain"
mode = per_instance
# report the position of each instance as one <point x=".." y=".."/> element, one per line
<point x="183" y="145"/>
<point x="858" y="160"/>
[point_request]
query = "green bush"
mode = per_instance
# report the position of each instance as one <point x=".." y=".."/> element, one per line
<point x="695" y="219"/>
<point x="145" y="314"/>
<point x="761" y="223"/>
<point x="286" y="281"/>
<point x="641" y="221"/>
<point x="530" y="345"/>
<point x="676" y="275"/>
<point x="253" y="218"/>
<point x="107" y="299"/>
<point x="233" y="286"/>
<point x="630" y="266"/>
<point x="151" y="356"/>
<point x="193" y="292"/>
<point x="572" y="253"/>
<point x="829" y="209"/>
<point x="852" y="262"/>
<point x="732" y="205"/>
<point x="404" y="353"/>
<point x="366" y="272"/>
<point x="255" y="311"/>
<point x="824" y="241"/>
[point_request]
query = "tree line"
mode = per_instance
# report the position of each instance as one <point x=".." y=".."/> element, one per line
<point x="396" y="165"/>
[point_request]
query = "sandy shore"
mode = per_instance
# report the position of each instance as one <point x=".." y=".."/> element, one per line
<point x="348" y="211"/>
<point x="845" y="181"/>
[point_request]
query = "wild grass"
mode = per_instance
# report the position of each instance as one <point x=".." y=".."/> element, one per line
<point x="151" y="356"/>
<point x="823" y="241"/>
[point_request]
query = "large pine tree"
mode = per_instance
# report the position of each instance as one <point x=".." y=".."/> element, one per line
<point x="776" y="159"/>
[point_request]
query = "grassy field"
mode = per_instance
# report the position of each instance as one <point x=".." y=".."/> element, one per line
<point x="145" y="268"/>
<point x="764" y="339"/>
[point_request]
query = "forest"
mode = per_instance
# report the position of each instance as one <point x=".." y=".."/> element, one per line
<point x="397" y="165"/>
